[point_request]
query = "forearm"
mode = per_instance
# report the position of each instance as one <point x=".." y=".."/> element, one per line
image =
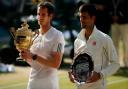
<point x="55" y="62"/>
<point x="111" y="69"/>
<point x="112" y="59"/>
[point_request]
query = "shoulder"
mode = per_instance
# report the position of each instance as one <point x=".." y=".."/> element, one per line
<point x="56" y="32"/>
<point x="103" y="36"/>
<point x="105" y="39"/>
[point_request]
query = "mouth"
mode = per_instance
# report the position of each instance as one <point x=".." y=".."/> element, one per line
<point x="40" y="21"/>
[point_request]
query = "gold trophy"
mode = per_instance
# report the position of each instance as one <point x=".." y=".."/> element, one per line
<point x="23" y="38"/>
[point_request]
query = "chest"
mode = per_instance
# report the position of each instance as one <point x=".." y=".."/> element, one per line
<point x="42" y="45"/>
<point x="93" y="47"/>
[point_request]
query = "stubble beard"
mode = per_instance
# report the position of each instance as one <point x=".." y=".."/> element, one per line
<point x="83" y="26"/>
<point x="87" y="26"/>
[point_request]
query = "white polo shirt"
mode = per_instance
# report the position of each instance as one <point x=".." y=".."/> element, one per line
<point x="43" y="76"/>
<point x="100" y="47"/>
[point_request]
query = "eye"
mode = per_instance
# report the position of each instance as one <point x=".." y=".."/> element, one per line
<point x="84" y="17"/>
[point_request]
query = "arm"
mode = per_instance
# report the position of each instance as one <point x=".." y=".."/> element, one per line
<point x="55" y="56"/>
<point x="110" y="62"/>
<point x="54" y="62"/>
<point x="113" y="61"/>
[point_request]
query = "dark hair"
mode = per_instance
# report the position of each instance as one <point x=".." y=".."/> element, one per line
<point x="50" y="7"/>
<point x="89" y="8"/>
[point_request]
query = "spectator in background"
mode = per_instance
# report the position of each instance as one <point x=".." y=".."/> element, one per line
<point x="6" y="68"/>
<point x="7" y="59"/>
<point x="103" y="19"/>
<point x="119" y="28"/>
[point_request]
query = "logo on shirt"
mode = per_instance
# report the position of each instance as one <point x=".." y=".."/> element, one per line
<point x="59" y="48"/>
<point x="94" y="43"/>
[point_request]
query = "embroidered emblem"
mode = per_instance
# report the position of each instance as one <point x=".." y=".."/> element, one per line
<point x="94" y="43"/>
<point x="59" y="48"/>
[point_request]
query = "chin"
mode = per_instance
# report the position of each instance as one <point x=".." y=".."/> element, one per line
<point x="39" y="22"/>
<point x="84" y="26"/>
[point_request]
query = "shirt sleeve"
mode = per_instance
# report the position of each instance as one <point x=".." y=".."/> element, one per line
<point x="59" y="43"/>
<point x="113" y="61"/>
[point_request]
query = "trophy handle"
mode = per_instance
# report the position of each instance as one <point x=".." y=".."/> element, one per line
<point x="35" y="35"/>
<point x="13" y="31"/>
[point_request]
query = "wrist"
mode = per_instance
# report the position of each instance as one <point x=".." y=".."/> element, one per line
<point x="34" y="56"/>
<point x="101" y="75"/>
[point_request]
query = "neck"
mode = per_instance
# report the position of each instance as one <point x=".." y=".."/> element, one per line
<point x="45" y="28"/>
<point x="88" y="31"/>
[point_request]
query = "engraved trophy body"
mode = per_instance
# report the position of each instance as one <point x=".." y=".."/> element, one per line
<point x="82" y="68"/>
<point x="23" y="38"/>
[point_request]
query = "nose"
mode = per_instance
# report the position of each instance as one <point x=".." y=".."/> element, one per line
<point x="81" y="19"/>
<point x="39" y="17"/>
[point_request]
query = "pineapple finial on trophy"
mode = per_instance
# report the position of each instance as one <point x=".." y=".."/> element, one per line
<point x="24" y="24"/>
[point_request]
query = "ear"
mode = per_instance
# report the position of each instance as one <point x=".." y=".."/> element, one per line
<point x="51" y="16"/>
<point x="94" y="18"/>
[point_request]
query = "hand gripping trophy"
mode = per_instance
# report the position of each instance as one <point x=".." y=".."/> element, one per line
<point x="23" y="38"/>
<point x="82" y="68"/>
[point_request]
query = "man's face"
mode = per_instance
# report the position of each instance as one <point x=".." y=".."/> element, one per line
<point x="86" y="20"/>
<point x="43" y="17"/>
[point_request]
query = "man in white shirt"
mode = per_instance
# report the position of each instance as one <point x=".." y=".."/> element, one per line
<point x="99" y="46"/>
<point x="46" y="51"/>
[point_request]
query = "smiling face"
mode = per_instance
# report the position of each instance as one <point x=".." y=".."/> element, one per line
<point x="43" y="16"/>
<point x="86" y="20"/>
<point x="87" y="16"/>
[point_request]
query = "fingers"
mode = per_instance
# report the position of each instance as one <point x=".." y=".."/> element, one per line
<point x="94" y="77"/>
<point x="71" y="77"/>
<point x="24" y="54"/>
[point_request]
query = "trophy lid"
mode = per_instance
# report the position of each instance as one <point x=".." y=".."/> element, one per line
<point x="24" y="30"/>
<point x="25" y="25"/>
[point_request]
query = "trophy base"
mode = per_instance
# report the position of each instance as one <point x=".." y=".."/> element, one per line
<point x="19" y="59"/>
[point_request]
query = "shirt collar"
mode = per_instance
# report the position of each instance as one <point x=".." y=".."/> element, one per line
<point x="46" y="32"/>
<point x="81" y="35"/>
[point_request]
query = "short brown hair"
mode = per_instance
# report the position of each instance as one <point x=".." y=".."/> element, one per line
<point x="89" y="8"/>
<point x="50" y="7"/>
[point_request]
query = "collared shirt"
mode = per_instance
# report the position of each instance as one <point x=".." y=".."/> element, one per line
<point x="100" y="47"/>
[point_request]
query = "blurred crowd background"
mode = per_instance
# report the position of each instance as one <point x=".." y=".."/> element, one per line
<point x="112" y="19"/>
